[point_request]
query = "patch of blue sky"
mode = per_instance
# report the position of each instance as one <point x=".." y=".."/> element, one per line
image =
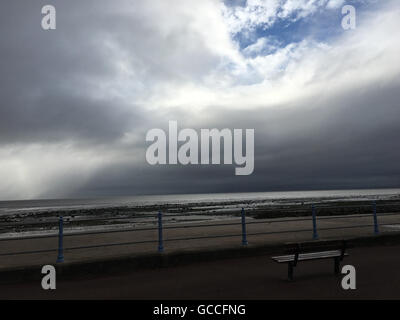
<point x="322" y="26"/>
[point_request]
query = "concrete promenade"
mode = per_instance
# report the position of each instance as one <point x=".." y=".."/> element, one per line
<point x="256" y="277"/>
<point x="340" y="224"/>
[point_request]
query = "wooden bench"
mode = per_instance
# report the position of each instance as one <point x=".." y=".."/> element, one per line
<point x="310" y="251"/>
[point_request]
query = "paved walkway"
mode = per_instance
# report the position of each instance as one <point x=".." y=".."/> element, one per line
<point x="297" y="230"/>
<point x="377" y="277"/>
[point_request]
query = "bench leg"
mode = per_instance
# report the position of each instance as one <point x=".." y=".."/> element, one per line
<point x="337" y="265"/>
<point x="290" y="271"/>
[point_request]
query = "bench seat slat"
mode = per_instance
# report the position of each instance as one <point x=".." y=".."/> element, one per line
<point x="309" y="256"/>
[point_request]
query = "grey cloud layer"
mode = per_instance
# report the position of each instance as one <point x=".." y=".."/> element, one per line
<point x="88" y="84"/>
<point x="350" y="143"/>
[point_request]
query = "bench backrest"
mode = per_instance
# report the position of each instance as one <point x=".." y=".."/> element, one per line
<point x="307" y="247"/>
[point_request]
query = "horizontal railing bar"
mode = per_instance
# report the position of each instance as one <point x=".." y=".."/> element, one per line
<point x="205" y="237"/>
<point x="108" y="231"/>
<point x="201" y="225"/>
<point x="263" y="221"/>
<point x="80" y="247"/>
<point x="277" y="232"/>
<point x="347" y="227"/>
<point x="110" y="245"/>
<point x="364" y="215"/>
<point x="27" y="252"/>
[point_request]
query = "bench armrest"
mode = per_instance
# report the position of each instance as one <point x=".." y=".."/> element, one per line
<point x="296" y="254"/>
<point x="343" y="250"/>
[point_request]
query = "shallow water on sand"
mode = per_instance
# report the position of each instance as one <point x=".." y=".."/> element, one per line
<point x="19" y="206"/>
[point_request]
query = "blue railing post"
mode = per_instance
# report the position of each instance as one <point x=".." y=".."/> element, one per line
<point x="60" y="257"/>
<point x="314" y="220"/>
<point x="160" y="235"/>
<point x="376" y="226"/>
<point x="244" y="234"/>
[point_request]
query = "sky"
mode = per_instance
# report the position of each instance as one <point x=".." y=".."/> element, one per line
<point x="76" y="102"/>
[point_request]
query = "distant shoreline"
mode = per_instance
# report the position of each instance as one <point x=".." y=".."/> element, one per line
<point x="257" y="206"/>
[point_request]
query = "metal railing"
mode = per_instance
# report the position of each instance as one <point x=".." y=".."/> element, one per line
<point x="159" y="219"/>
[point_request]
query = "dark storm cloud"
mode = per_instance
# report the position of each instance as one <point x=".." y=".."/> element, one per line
<point x="49" y="81"/>
<point x="349" y="142"/>
<point x="59" y="84"/>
